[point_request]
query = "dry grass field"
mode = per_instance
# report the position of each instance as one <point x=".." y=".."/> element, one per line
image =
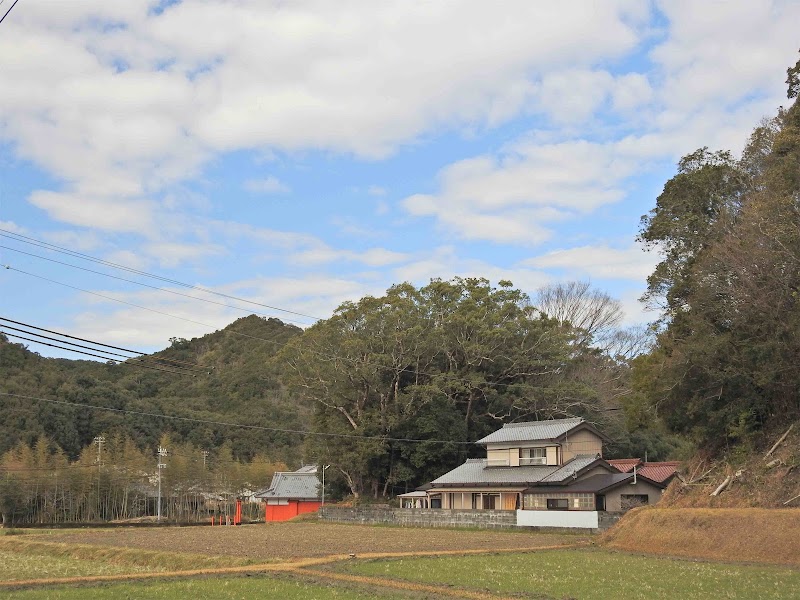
<point x="287" y="541"/>
<point x="752" y="535"/>
<point x="300" y="560"/>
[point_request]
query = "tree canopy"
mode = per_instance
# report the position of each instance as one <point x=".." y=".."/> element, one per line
<point x="446" y="363"/>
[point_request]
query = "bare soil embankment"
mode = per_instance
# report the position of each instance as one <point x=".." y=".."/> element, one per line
<point x="756" y="535"/>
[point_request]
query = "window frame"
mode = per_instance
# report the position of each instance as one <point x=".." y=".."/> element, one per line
<point x="531" y="458"/>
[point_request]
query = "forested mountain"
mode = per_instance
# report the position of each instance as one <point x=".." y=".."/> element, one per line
<point x="232" y="379"/>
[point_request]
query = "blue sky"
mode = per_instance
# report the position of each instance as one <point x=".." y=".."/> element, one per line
<point x="304" y="154"/>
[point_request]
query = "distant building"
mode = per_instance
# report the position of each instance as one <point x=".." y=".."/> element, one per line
<point x="291" y="494"/>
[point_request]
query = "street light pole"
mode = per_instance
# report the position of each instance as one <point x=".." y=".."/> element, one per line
<point x="324" y="468"/>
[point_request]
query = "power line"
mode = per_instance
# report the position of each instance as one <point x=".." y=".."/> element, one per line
<point x="152" y="287"/>
<point x="239" y="425"/>
<point x="8" y="11"/>
<point x="42" y="244"/>
<point x="177" y="368"/>
<point x="167" y="360"/>
<point x="253" y="337"/>
<point x="72" y="337"/>
<point x="139" y="306"/>
<point x="107" y="358"/>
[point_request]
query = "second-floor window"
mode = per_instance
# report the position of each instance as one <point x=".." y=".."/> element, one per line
<point x="532" y="456"/>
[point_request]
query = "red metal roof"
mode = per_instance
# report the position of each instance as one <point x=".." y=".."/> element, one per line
<point x="658" y="471"/>
<point x="625" y="465"/>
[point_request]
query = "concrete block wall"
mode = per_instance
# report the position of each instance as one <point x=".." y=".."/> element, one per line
<point x="420" y="517"/>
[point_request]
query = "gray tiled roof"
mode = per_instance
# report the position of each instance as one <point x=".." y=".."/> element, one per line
<point x="569" y="469"/>
<point x="475" y="471"/>
<point x="598" y="483"/>
<point x="296" y="486"/>
<point x="531" y="431"/>
<point x="594" y="484"/>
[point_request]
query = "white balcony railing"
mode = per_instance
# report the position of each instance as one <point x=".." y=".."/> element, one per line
<point x="526" y="462"/>
<point x="497" y="462"/>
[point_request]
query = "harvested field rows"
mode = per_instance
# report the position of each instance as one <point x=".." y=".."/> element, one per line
<point x="288" y="541"/>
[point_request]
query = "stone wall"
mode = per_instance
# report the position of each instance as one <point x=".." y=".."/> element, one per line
<point x="420" y="517"/>
<point x="437" y="517"/>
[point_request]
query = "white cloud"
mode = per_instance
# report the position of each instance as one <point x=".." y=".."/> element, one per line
<point x="373" y="257"/>
<point x="124" y="100"/>
<point x="515" y="196"/>
<point x="382" y="207"/>
<point x="444" y="262"/>
<point x="376" y="190"/>
<point x="722" y="53"/>
<point x="599" y="262"/>
<point x="12" y="227"/>
<point x="177" y="316"/>
<point x="83" y="240"/>
<point x="172" y="254"/>
<point x="631" y="91"/>
<point x="268" y="185"/>
<point x="100" y="213"/>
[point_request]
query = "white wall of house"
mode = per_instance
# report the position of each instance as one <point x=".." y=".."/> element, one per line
<point x="582" y="519"/>
<point x="616" y="501"/>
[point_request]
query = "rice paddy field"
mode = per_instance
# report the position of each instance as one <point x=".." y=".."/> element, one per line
<point x="331" y="561"/>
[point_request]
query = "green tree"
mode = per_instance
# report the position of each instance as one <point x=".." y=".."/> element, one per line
<point x="687" y="219"/>
<point x="448" y="361"/>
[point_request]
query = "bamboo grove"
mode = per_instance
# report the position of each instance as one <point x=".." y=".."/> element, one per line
<point x="115" y="480"/>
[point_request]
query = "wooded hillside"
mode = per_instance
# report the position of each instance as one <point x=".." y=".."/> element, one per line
<point x="727" y="360"/>
<point x="239" y="383"/>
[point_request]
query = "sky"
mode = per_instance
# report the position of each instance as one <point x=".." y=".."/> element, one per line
<point x="301" y="154"/>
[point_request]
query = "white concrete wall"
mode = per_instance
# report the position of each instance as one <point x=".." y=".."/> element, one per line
<point x="583" y="519"/>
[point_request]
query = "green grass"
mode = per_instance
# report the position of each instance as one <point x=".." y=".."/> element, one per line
<point x="126" y="560"/>
<point x="16" y="566"/>
<point x="592" y="574"/>
<point x="238" y="588"/>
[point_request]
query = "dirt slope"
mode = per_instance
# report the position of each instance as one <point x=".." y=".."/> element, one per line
<point x="758" y="482"/>
<point x="770" y="536"/>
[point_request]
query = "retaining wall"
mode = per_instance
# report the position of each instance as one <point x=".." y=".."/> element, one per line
<point x="420" y="517"/>
<point x="587" y="521"/>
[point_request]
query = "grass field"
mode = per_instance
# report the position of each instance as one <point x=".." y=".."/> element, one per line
<point x="311" y="560"/>
<point x="15" y="566"/>
<point x="235" y="588"/>
<point x="591" y="574"/>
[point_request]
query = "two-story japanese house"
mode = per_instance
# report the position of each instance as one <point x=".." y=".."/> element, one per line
<point x="542" y="465"/>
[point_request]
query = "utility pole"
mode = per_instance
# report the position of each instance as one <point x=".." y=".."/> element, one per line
<point x="99" y="441"/>
<point x="324" y="468"/>
<point x="162" y="452"/>
<point x="205" y="456"/>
